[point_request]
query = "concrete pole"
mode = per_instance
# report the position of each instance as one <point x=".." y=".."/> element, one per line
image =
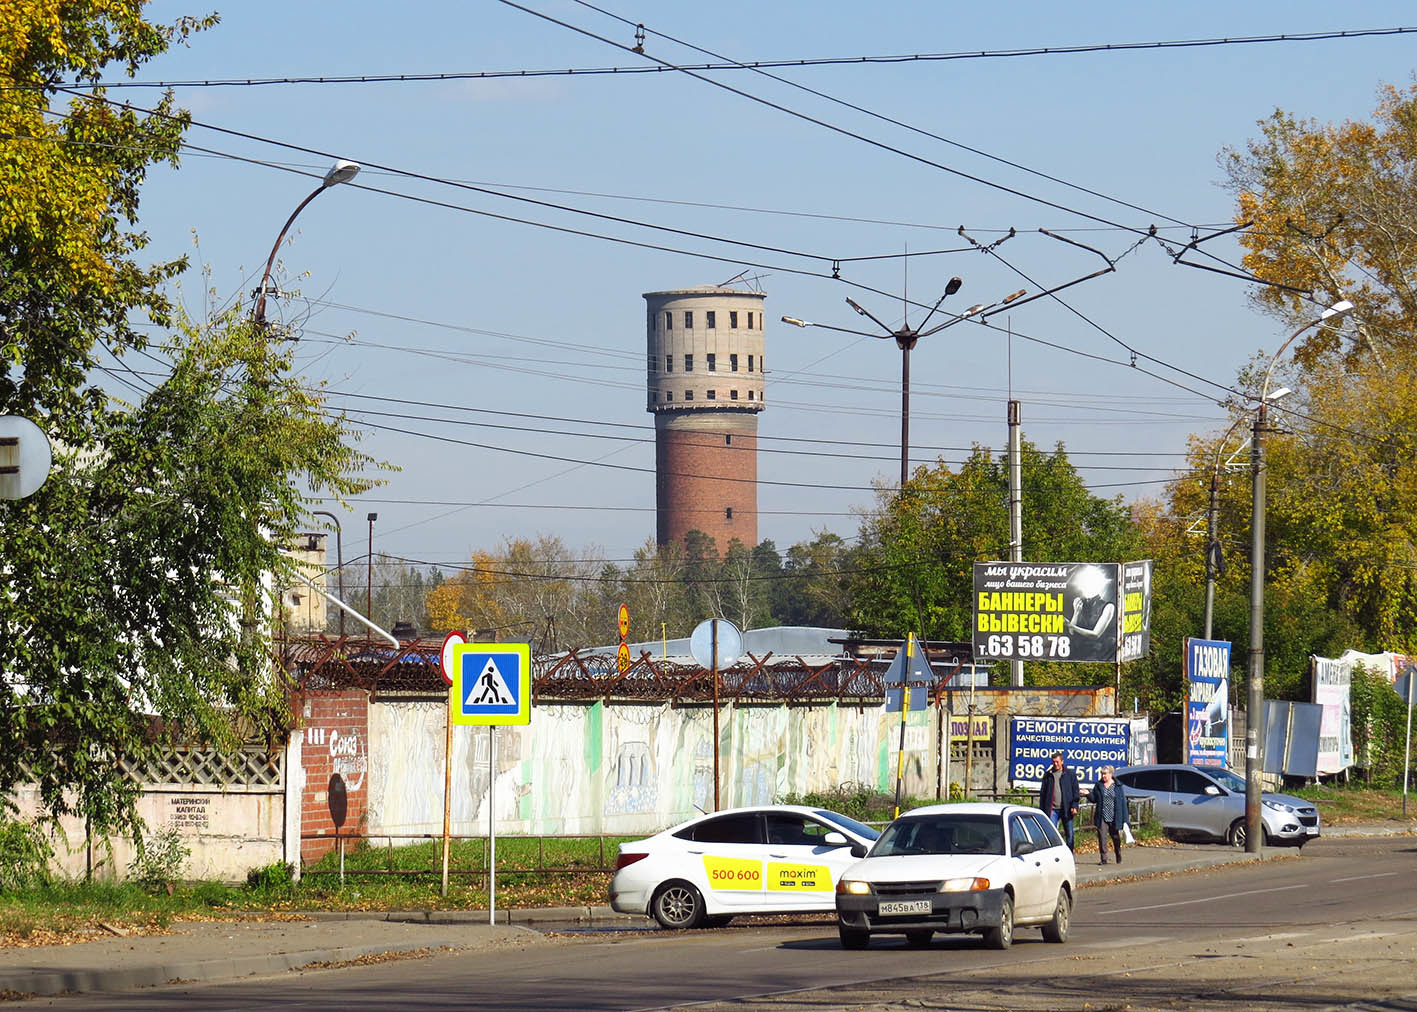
<point x="1015" y="512"/>
<point x="1254" y="718"/>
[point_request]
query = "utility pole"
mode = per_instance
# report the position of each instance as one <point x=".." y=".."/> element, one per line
<point x="1254" y="700"/>
<point x="1015" y="513"/>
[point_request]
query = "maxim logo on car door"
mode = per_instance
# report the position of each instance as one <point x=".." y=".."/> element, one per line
<point x="799" y="878"/>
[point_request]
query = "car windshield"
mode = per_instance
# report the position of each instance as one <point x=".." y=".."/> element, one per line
<point x="859" y="828"/>
<point x="941" y="834"/>
<point x="1229" y="780"/>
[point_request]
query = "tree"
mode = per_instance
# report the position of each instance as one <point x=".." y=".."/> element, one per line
<point x="813" y="589"/>
<point x="135" y="603"/>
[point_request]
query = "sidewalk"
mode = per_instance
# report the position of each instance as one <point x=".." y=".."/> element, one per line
<point x="226" y="950"/>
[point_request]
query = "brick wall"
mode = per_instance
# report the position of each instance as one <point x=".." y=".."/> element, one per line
<point x="706" y="476"/>
<point x="335" y="731"/>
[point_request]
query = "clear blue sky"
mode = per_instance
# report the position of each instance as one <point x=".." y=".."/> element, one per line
<point x="431" y="305"/>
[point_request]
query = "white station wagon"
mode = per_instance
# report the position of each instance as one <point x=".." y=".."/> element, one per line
<point x="768" y="860"/>
<point x="974" y="867"/>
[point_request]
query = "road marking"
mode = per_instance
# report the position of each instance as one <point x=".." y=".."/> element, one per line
<point x="1357" y="878"/>
<point x="1277" y="936"/>
<point x="1207" y="899"/>
<point x="1122" y="943"/>
<point x="1359" y="938"/>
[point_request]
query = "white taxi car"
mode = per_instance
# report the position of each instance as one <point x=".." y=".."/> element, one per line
<point x="973" y="867"/>
<point x="773" y="859"/>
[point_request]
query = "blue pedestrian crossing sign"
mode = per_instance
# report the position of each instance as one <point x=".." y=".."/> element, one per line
<point x="491" y="684"/>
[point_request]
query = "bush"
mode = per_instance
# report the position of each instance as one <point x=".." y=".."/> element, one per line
<point x="158" y="864"/>
<point x="273" y="876"/>
<point x="1379" y="728"/>
<point x="25" y="854"/>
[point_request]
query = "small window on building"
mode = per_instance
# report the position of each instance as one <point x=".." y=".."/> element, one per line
<point x="688" y="363"/>
<point x="712" y="362"/>
<point x="762" y="363"/>
<point x="732" y="363"/>
<point x="668" y="363"/>
<point x="728" y="439"/>
<point x="728" y="512"/>
<point x="709" y="319"/>
<point x="733" y="318"/>
<point x="750" y="321"/>
<point x="688" y="320"/>
<point x="750" y="395"/>
<point x="750" y="363"/>
<point x="733" y="395"/>
<point x="668" y="396"/>
<point x="668" y="321"/>
<point x="688" y="395"/>
<point x="711" y="394"/>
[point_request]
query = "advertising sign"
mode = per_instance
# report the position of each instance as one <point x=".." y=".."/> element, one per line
<point x="1065" y="611"/>
<point x="960" y="729"/>
<point x="1207" y="671"/>
<point x="1087" y="745"/>
<point x="1333" y="682"/>
<point x="1136" y="610"/>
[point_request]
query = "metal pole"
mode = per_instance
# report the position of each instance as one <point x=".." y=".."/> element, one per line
<point x="1015" y="510"/>
<point x="713" y="667"/>
<point x="1407" y="747"/>
<point x="447" y="792"/>
<point x="1212" y="545"/>
<point x="902" y="339"/>
<point x="339" y="561"/>
<point x="904" y="707"/>
<point x="1255" y="698"/>
<point x="491" y="824"/>
<point x="369" y="589"/>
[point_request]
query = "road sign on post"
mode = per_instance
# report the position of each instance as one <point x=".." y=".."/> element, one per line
<point x="622" y="657"/>
<point x="491" y="684"/>
<point x="624" y="621"/>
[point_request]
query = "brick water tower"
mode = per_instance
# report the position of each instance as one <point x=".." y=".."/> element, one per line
<point x="705" y="388"/>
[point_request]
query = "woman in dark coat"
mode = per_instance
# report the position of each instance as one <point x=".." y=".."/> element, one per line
<point x="1109" y="813"/>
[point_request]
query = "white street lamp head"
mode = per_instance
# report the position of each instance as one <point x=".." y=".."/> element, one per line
<point x="795" y="322"/>
<point x="341" y="171"/>
<point x="1275" y="395"/>
<point x="1340" y="308"/>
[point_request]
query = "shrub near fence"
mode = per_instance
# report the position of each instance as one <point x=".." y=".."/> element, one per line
<point x="468" y="856"/>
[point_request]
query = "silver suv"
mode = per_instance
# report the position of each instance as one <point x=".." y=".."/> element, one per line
<point x="1209" y="802"/>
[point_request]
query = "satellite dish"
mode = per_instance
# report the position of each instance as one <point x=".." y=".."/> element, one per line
<point x="730" y="643"/>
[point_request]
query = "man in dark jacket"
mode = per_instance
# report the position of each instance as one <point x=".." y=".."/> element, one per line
<point x="1058" y="796"/>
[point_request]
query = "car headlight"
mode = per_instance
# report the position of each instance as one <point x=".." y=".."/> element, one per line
<point x="853" y="887"/>
<point x="963" y="885"/>
<point x="1279" y="806"/>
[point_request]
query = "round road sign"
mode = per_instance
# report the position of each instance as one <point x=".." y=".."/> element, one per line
<point x="729" y="642"/>
<point x="624" y="619"/>
<point x="622" y="658"/>
<point x="445" y="656"/>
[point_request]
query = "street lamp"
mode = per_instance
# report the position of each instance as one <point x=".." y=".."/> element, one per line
<point x="339" y="561"/>
<point x="340" y="172"/>
<point x="369" y="583"/>
<point x="905" y="337"/>
<point x="1255" y="696"/>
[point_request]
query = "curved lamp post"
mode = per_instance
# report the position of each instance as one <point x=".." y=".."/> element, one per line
<point x="340" y="172"/>
<point x="339" y="558"/>
<point x="1255" y="697"/>
<point x="905" y="338"/>
<point x="1214" y="560"/>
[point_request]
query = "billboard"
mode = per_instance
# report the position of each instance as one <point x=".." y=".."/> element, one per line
<point x="1333" y="681"/>
<point x="1061" y="611"/>
<point x="1207" y="678"/>
<point x="1087" y="745"/>
<point x="1136" y="610"/>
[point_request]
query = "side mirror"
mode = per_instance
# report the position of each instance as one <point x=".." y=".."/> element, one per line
<point x="835" y="839"/>
<point x="858" y="850"/>
<point x="1212" y="790"/>
<point x="1022" y="847"/>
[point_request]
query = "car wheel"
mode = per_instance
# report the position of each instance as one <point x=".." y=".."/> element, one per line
<point x="853" y="939"/>
<point x="1235" y="836"/>
<point x="919" y="938"/>
<point x="1056" y="930"/>
<point x="677" y="905"/>
<point x="1002" y="936"/>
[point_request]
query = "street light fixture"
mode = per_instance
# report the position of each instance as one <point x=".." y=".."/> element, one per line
<point x="369" y="582"/>
<point x="905" y="338"/>
<point x="341" y="171"/>
<point x="1255" y="697"/>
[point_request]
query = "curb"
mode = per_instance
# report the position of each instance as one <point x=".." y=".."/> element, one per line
<point x="512" y="917"/>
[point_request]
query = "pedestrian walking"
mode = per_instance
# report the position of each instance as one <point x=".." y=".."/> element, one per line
<point x="1058" y="796"/>
<point x="1109" y="813"/>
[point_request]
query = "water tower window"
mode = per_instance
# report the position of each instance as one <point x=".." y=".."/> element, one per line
<point x="733" y="318"/>
<point x="668" y="396"/>
<point x="688" y="363"/>
<point x="689" y="321"/>
<point x="750" y="321"/>
<point x="750" y="395"/>
<point x="728" y="512"/>
<point x="711" y="394"/>
<point x="709" y="319"/>
<point x="712" y="362"/>
<point x="750" y="363"/>
<point x="688" y="395"/>
<point x="668" y="363"/>
<point x="732" y="363"/>
<point x="728" y="439"/>
<point x="733" y="395"/>
<point x="668" y="321"/>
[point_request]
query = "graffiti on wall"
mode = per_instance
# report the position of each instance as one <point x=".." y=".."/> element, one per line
<point x="349" y="753"/>
<point x="632" y="788"/>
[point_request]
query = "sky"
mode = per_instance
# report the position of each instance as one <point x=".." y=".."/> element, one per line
<point x="473" y="298"/>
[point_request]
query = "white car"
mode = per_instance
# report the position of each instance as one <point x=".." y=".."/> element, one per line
<point x="769" y="860"/>
<point x="974" y="867"/>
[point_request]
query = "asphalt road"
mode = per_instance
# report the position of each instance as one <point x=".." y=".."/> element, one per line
<point x="1335" y="928"/>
